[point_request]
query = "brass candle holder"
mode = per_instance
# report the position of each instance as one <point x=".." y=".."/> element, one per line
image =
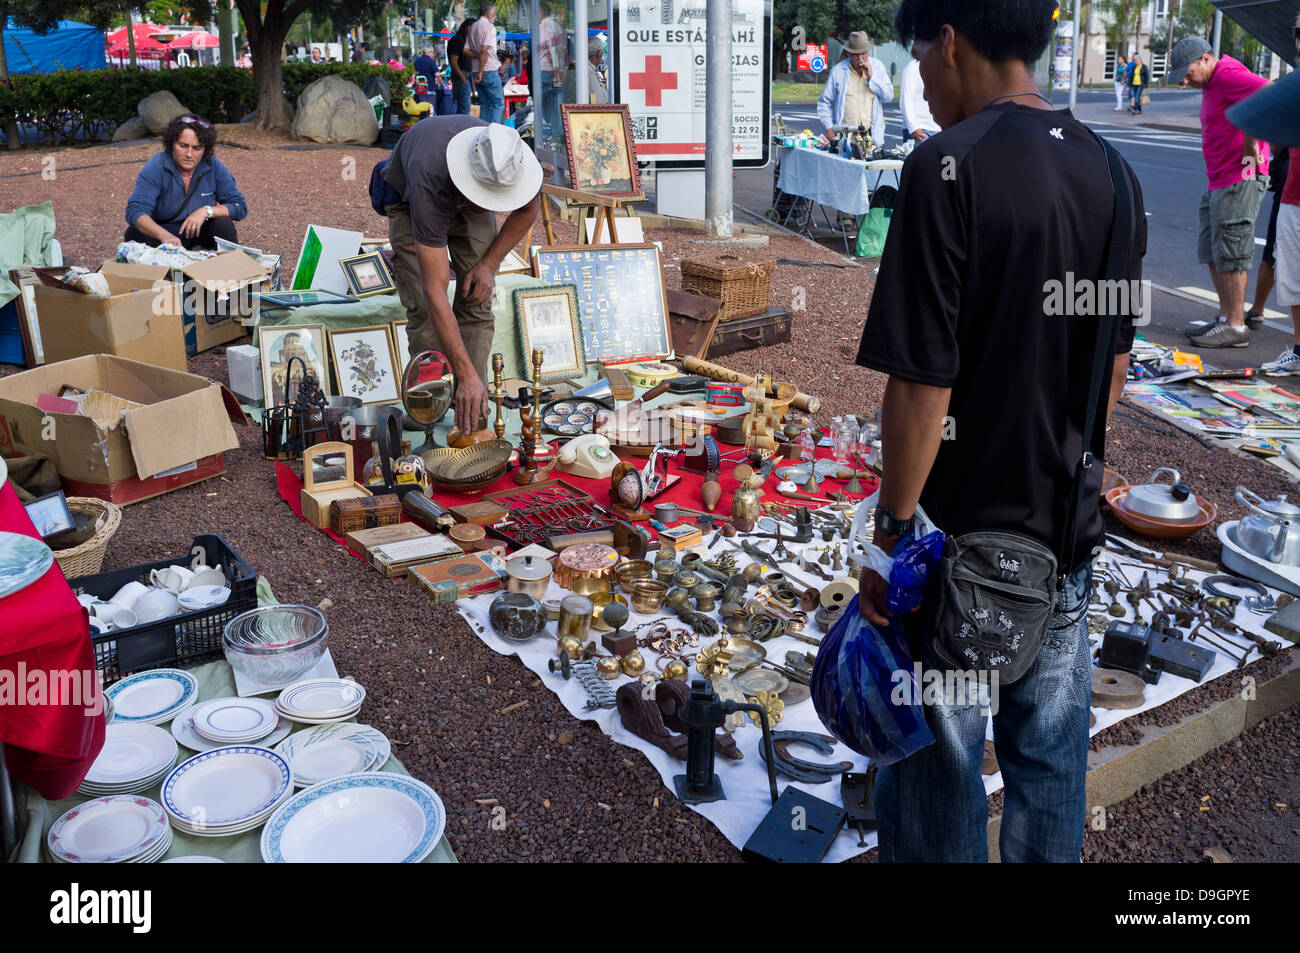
<point x="530" y="417"/>
<point x="498" y="365"/>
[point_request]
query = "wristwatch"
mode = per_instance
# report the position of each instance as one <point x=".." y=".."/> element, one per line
<point x="208" y="210"/>
<point x="891" y="525"/>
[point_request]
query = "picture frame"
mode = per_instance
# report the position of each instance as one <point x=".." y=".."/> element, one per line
<point x="303" y="299"/>
<point x="364" y="365"/>
<point x="29" y="325"/>
<point x="50" y="514"/>
<point x="548" y="319"/>
<point x="601" y="149"/>
<point x="278" y="344"/>
<point x="514" y="264"/>
<point x="368" y="275"/>
<point x="401" y="344"/>
<point x="622" y="299"/>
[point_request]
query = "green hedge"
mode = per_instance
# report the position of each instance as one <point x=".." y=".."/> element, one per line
<point x="70" y="104"/>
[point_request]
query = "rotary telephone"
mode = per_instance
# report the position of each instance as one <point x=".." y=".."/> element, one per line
<point x="588" y="456"/>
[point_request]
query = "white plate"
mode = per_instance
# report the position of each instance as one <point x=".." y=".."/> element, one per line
<point x="330" y="751"/>
<point x="225" y="786"/>
<point x="363" y="818"/>
<point x="203" y="597"/>
<point x="235" y="720"/>
<point x="150" y="698"/>
<point x="321" y="698"/>
<point x="107" y="830"/>
<point x="183" y="730"/>
<point x="304" y="720"/>
<point x="132" y="753"/>
<point x="23" y="560"/>
<point x="193" y="859"/>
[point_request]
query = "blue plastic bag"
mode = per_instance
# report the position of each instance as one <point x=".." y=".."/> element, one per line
<point x="859" y="682"/>
<point x="914" y="560"/>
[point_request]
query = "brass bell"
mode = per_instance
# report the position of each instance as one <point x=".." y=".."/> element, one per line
<point x="608" y="667"/>
<point x="569" y="645"/>
<point x="675" y="668"/>
<point x="633" y="663"/>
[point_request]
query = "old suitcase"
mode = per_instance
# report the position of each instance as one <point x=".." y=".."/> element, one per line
<point x="692" y="320"/>
<point x="764" y="330"/>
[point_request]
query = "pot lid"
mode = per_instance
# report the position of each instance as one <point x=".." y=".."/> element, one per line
<point x="528" y="568"/>
<point x="1280" y="506"/>
<point x="1163" y="501"/>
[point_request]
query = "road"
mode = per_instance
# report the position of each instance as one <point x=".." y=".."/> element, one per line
<point x="1169" y="165"/>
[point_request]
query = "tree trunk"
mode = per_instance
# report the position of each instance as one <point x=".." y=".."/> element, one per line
<point x="12" y="143"/>
<point x="268" y="79"/>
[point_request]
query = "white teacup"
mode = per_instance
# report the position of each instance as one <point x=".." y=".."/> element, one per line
<point x="174" y="578"/>
<point x="113" y="615"/>
<point x="87" y="600"/>
<point x="128" y="594"/>
<point x="154" y="605"/>
<point x="207" y="577"/>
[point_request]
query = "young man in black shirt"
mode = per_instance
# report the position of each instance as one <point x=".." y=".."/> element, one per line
<point x="1000" y="223"/>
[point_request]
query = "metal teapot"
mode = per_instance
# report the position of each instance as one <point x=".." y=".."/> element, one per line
<point x="1273" y="534"/>
<point x="1171" y="503"/>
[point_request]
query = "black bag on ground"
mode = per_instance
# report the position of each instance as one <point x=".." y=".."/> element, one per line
<point x="997" y="589"/>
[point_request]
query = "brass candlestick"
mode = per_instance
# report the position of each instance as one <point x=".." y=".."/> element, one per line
<point x="529" y="418"/>
<point x="498" y="365"/>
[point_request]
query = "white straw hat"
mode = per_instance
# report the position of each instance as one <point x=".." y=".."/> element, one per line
<point x="493" y="168"/>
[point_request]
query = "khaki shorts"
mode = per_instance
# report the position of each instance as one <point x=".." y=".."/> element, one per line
<point x="1227" y="235"/>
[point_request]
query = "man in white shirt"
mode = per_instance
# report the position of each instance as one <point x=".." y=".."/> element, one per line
<point x="596" y="90"/>
<point x="918" y="124"/>
<point x="856" y="91"/>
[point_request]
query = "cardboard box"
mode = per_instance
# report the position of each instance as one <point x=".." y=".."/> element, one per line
<point x="178" y="436"/>
<point x="218" y="299"/>
<point x="140" y="320"/>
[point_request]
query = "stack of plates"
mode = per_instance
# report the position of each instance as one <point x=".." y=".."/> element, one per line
<point x="184" y="731"/>
<point x="119" y="829"/>
<point x="321" y="701"/>
<point x="151" y="698"/>
<point x="324" y="752"/>
<point x="134" y="758"/>
<point x="361" y="818"/>
<point x="226" y="791"/>
<point x="235" y="721"/>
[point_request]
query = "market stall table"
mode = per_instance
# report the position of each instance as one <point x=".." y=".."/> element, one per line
<point x="216" y="680"/>
<point x="833" y="182"/>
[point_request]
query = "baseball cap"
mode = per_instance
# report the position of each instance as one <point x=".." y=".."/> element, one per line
<point x="1184" y="54"/>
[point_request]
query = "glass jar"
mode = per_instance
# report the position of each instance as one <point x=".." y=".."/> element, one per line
<point x="372" y="474"/>
<point x="409" y="468"/>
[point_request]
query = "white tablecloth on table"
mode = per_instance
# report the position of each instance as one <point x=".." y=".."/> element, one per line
<point x="831" y="180"/>
<point x="745" y="781"/>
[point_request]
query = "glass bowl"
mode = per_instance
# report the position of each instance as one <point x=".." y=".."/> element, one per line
<point x="275" y="645"/>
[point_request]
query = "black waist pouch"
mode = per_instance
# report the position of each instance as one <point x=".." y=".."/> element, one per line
<point x="997" y="592"/>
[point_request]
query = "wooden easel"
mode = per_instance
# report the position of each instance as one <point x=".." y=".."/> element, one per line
<point x="604" y="206"/>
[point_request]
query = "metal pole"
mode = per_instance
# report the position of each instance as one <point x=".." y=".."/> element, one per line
<point x="1169" y="47"/>
<point x="580" y="86"/>
<point x="718" y="207"/>
<point x="1218" y="30"/>
<point x="1074" y="60"/>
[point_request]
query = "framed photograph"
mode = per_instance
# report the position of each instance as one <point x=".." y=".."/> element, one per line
<point x="367" y="275"/>
<point x="401" y="344"/>
<point x="29" y="324"/>
<point x="302" y="299"/>
<point x="364" y="364"/>
<point x="548" y="319"/>
<point x="280" y="344"/>
<point x="602" y="154"/>
<point x="50" y="514"/>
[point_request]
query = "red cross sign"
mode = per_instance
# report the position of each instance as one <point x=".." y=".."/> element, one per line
<point x="653" y="81"/>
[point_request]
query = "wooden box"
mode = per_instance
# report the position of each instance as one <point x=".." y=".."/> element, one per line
<point x="359" y="541"/>
<point x="453" y="579"/>
<point x="764" y="330"/>
<point x="394" y="559"/>
<point x="347" y="516"/>
<point x="316" y="497"/>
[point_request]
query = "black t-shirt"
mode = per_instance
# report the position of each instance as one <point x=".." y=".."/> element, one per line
<point x="990" y="212"/>
<point x="455" y="47"/>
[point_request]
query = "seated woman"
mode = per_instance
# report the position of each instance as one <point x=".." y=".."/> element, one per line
<point x="184" y="195"/>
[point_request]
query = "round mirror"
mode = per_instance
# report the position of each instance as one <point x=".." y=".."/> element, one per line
<point x="428" y="389"/>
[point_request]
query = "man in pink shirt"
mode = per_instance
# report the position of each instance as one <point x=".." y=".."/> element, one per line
<point x="1237" y="168"/>
<point x="481" y="45"/>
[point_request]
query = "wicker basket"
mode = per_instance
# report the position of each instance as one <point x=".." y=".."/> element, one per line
<point x="87" y="558"/>
<point x="744" y="289"/>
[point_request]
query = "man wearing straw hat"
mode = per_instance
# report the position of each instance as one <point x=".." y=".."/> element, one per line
<point x="451" y="173"/>
<point x="856" y="91"/>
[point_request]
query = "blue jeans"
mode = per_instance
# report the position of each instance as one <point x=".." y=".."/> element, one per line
<point x="1137" y="97"/>
<point x="552" y="96"/>
<point x="462" y="92"/>
<point x="491" y="101"/>
<point x="931" y="806"/>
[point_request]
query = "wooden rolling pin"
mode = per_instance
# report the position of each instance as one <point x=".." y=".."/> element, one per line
<point x="693" y="365"/>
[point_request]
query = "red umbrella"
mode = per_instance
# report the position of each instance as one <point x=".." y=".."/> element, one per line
<point x="194" y="41"/>
<point x="142" y="32"/>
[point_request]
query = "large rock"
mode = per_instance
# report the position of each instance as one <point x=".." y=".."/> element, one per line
<point x="160" y="108"/>
<point x="335" y="110"/>
<point x="134" y="128"/>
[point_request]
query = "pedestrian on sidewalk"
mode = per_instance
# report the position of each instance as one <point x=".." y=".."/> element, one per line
<point x="1121" y="80"/>
<point x="481" y="44"/>
<point x="1236" y="166"/>
<point x="1284" y="228"/>
<point x="1137" y="84"/>
<point x="1011" y="198"/>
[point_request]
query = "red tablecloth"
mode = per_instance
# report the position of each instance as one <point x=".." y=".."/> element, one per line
<point x="51" y="708"/>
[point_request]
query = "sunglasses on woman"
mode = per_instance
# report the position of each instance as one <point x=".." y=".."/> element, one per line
<point x="195" y="121"/>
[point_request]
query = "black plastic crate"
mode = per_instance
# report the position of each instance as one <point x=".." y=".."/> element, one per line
<point x="184" y="640"/>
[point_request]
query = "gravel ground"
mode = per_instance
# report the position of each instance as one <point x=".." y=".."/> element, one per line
<point x="568" y="792"/>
